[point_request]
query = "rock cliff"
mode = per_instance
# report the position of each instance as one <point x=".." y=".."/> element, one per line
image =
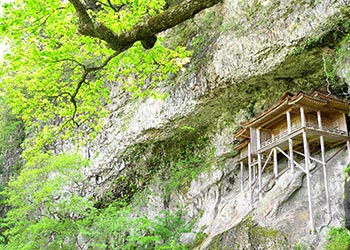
<point x="246" y="54"/>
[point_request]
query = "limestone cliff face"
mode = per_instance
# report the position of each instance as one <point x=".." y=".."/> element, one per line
<point x="254" y="51"/>
<point x="282" y="212"/>
<point x="273" y="45"/>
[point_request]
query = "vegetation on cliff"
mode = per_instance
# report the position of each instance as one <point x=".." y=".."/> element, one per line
<point x="63" y="59"/>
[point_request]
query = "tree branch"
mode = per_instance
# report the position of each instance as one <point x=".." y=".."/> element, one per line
<point x="82" y="80"/>
<point x="72" y="60"/>
<point x="144" y="31"/>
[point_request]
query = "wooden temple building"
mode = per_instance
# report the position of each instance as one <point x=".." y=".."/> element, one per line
<point x="296" y="127"/>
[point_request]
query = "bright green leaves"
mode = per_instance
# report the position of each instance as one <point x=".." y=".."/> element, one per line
<point x="45" y="75"/>
<point x="11" y="133"/>
<point x="116" y="228"/>
<point x="46" y="61"/>
<point x="130" y="13"/>
<point x="338" y="239"/>
<point x="143" y="71"/>
<point x="48" y="213"/>
<point x="44" y="201"/>
<point x="56" y="81"/>
<point x="44" y="179"/>
<point x="11" y="137"/>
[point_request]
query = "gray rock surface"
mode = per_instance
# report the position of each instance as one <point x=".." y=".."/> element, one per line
<point x="254" y="46"/>
<point x="261" y="49"/>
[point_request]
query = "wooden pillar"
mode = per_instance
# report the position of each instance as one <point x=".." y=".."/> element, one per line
<point x="242" y="176"/>
<point x="307" y="168"/>
<point x="347" y="143"/>
<point x="302" y="116"/>
<point x="291" y="155"/>
<point x="275" y="162"/>
<point x="256" y="168"/>
<point x="250" y="176"/>
<point x="289" y="122"/>
<point x="290" y="142"/>
<point x="258" y="140"/>
<point x="254" y="172"/>
<point x="259" y="176"/>
<point x="323" y="156"/>
<point x="319" y="120"/>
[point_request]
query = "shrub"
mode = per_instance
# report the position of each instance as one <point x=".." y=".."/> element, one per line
<point x="338" y="239"/>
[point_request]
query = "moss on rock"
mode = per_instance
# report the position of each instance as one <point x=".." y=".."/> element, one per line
<point x="250" y="235"/>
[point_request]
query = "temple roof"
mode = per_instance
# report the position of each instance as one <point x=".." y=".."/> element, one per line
<point x="242" y="144"/>
<point x="315" y="100"/>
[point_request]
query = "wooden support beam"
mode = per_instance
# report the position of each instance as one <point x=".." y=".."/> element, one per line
<point x="336" y="153"/>
<point x="346" y="125"/>
<point x="267" y="160"/>
<point x="290" y="142"/>
<point x="319" y="120"/>
<point x="291" y="155"/>
<point x="289" y="122"/>
<point x="302" y="116"/>
<point x="242" y="176"/>
<point x="295" y="163"/>
<point x="258" y="140"/>
<point x="311" y="158"/>
<point x="325" y="178"/>
<point x="275" y="162"/>
<point x="323" y="156"/>
<point x="307" y="168"/>
<point x="254" y="171"/>
<point x="347" y="142"/>
<point x="250" y="176"/>
<point x="259" y="175"/>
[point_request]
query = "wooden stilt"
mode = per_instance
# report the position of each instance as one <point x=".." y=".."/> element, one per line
<point x="323" y="156"/>
<point x="291" y="155"/>
<point x="290" y="142"/>
<point x="289" y="122"/>
<point x="348" y="142"/>
<point x="259" y="176"/>
<point x="250" y="175"/>
<point x="307" y="168"/>
<point x="254" y="172"/>
<point x="242" y="176"/>
<point x="336" y="153"/>
<point x="302" y="114"/>
<point x="310" y="158"/>
<point x="258" y="140"/>
<point x="275" y="162"/>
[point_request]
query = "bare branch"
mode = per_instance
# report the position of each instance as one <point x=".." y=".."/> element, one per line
<point x="114" y="8"/>
<point x="82" y="80"/>
<point x="71" y="60"/>
<point x="104" y="64"/>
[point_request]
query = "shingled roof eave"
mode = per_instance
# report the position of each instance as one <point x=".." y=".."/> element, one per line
<point x="289" y="100"/>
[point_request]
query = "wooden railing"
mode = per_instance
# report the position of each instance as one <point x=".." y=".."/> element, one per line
<point x="297" y="127"/>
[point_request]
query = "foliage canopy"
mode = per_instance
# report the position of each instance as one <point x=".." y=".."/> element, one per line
<point x="63" y="59"/>
<point x="64" y="56"/>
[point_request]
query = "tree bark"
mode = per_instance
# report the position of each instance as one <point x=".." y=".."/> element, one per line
<point x="144" y="31"/>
